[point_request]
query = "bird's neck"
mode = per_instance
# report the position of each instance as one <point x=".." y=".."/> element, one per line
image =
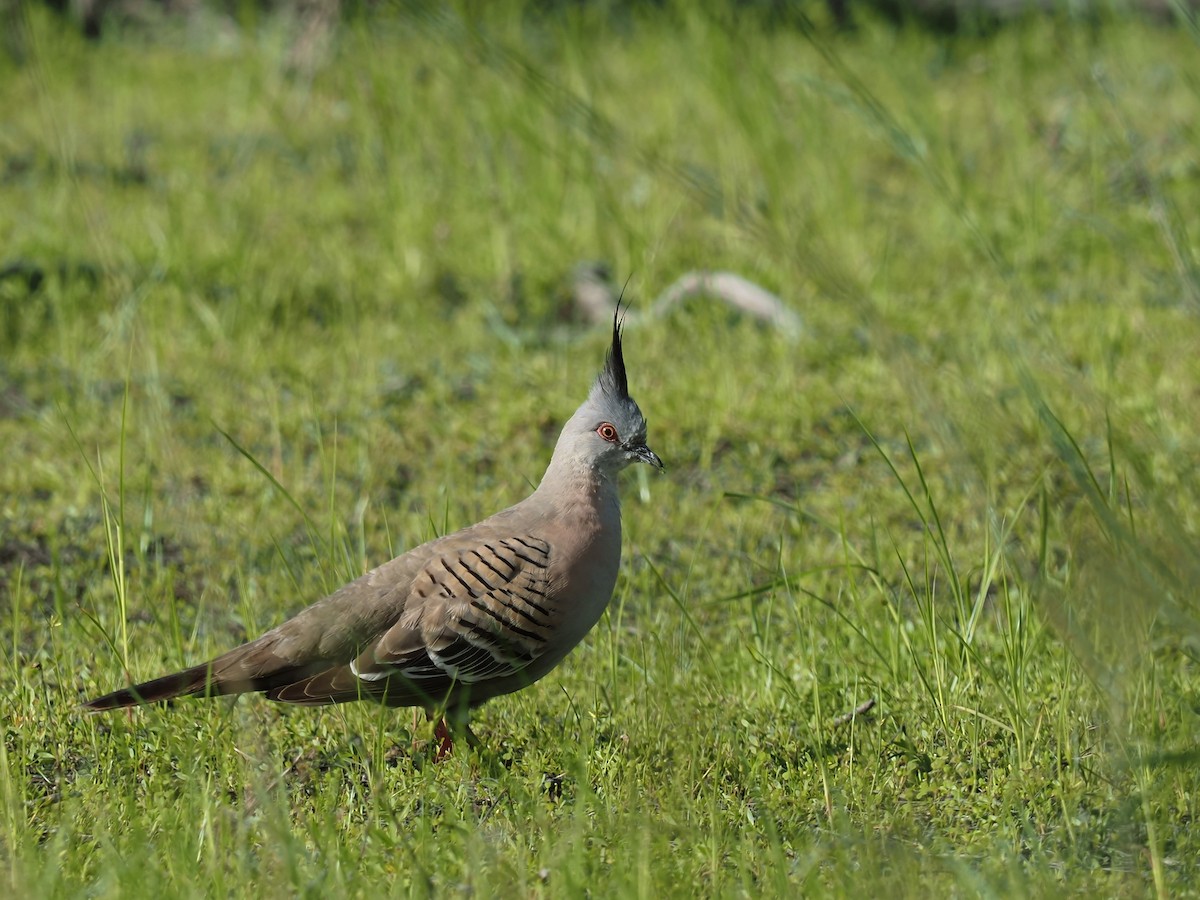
<point x="575" y="483"/>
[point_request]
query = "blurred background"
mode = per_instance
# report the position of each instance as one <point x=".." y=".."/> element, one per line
<point x="288" y="288"/>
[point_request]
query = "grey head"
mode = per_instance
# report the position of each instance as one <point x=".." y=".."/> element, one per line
<point x="608" y="432"/>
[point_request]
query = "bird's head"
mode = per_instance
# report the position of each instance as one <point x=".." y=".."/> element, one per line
<point x="608" y="432"/>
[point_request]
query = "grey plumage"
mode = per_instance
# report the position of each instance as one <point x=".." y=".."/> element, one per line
<point x="466" y="617"/>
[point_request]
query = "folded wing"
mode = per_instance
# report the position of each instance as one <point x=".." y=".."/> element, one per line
<point x="478" y="611"/>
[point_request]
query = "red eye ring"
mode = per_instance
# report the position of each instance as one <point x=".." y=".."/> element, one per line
<point x="607" y="431"/>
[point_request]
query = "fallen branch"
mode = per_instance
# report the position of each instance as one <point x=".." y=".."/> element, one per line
<point x="847" y="718"/>
<point x="594" y="295"/>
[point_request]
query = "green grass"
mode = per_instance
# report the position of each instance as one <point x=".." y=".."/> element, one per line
<point x="968" y="491"/>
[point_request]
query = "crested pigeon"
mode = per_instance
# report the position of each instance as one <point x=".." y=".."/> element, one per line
<point x="466" y="617"/>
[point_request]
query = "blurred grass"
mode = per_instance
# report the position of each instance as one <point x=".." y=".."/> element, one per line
<point x="969" y="491"/>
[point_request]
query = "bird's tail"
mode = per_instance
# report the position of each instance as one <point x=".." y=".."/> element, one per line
<point x="192" y="682"/>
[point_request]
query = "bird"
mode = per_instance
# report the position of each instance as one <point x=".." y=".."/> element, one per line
<point x="463" y="618"/>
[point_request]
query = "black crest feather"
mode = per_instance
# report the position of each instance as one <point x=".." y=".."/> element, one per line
<point x="612" y="378"/>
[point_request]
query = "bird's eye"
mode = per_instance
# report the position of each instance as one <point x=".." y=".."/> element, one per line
<point x="608" y="432"/>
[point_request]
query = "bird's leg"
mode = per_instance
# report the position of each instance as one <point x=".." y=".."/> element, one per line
<point x="441" y="732"/>
<point x="451" y="723"/>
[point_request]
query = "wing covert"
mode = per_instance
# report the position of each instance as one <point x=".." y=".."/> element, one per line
<point x="478" y="612"/>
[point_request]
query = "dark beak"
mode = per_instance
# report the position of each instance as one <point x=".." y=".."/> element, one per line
<point x="645" y="454"/>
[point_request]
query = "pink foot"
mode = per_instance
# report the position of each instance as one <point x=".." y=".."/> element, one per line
<point x="442" y="733"/>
